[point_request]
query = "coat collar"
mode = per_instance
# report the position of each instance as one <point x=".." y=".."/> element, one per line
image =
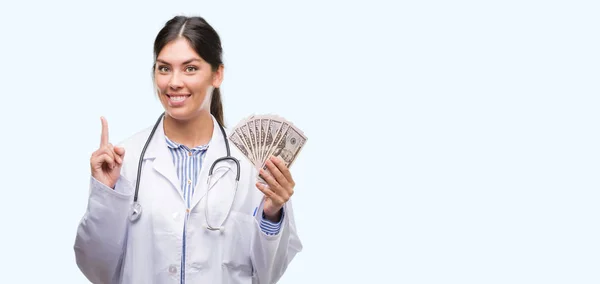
<point x="163" y="162"/>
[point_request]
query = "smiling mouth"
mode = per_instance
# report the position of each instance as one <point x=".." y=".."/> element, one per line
<point x="178" y="98"/>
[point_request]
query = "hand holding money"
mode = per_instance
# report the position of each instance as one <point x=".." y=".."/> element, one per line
<point x="279" y="187"/>
<point x="271" y="143"/>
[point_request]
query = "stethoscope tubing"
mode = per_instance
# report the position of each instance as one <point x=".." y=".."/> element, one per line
<point x="137" y="208"/>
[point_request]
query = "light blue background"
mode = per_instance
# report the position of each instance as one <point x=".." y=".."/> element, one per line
<point x="449" y="141"/>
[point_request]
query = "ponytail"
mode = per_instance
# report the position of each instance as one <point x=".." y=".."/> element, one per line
<point x="216" y="108"/>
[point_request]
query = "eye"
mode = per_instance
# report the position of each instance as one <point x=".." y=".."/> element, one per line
<point x="191" y="69"/>
<point x="163" y="69"/>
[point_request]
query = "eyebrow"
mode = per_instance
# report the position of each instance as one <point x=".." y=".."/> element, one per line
<point x="185" y="62"/>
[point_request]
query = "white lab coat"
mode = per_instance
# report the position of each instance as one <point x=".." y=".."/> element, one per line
<point x="109" y="248"/>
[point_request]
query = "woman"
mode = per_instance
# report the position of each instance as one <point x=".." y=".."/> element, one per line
<point x="170" y="240"/>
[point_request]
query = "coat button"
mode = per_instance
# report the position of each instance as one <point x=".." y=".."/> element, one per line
<point x="172" y="269"/>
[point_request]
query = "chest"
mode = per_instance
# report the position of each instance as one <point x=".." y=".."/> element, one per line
<point x="169" y="197"/>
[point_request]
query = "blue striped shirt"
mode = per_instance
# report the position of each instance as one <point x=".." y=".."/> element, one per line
<point x="188" y="163"/>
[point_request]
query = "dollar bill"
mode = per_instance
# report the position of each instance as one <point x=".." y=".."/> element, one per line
<point x="237" y="141"/>
<point x="246" y="138"/>
<point x="264" y="125"/>
<point x="288" y="147"/>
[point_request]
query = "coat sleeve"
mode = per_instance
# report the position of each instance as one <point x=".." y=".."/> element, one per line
<point x="101" y="234"/>
<point x="271" y="254"/>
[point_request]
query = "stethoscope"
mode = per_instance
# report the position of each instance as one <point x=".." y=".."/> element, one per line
<point x="136" y="208"/>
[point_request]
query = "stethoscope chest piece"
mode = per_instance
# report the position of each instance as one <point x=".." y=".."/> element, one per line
<point x="136" y="211"/>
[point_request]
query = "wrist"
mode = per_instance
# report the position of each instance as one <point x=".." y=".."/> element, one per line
<point x="273" y="217"/>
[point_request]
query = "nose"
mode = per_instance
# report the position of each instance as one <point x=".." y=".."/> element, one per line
<point x="175" y="82"/>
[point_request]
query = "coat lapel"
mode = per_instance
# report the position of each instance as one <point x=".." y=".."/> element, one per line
<point x="216" y="149"/>
<point x="163" y="161"/>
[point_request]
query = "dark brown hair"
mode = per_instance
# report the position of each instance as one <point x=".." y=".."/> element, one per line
<point x="204" y="40"/>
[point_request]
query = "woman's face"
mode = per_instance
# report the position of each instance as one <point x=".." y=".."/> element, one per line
<point x="184" y="80"/>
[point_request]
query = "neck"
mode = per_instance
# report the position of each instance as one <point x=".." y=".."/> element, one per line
<point x="191" y="133"/>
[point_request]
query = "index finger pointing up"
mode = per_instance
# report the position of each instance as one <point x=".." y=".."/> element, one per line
<point x="104" y="135"/>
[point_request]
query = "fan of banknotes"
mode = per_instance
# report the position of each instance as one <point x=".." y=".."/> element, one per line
<point x="260" y="136"/>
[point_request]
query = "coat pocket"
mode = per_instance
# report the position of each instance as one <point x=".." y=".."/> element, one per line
<point x="236" y="246"/>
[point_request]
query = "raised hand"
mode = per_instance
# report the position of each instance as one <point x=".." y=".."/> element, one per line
<point x="106" y="162"/>
<point x="279" y="187"/>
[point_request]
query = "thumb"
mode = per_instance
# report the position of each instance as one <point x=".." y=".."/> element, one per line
<point x="119" y="150"/>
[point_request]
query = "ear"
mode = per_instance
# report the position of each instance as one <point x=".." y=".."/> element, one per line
<point x="218" y="77"/>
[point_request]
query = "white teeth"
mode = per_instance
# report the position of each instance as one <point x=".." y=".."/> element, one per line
<point x="178" y="98"/>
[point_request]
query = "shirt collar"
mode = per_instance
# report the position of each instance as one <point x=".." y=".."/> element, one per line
<point x="174" y="145"/>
